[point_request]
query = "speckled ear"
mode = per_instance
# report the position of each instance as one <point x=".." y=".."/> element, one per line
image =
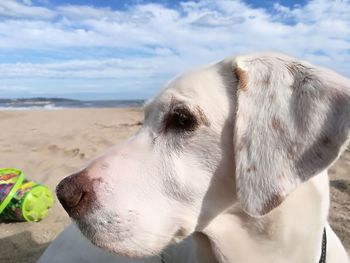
<point x="292" y="122"/>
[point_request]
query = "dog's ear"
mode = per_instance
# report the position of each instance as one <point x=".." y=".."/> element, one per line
<point x="292" y="122"/>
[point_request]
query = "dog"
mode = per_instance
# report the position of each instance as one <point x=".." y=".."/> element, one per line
<point x="232" y="158"/>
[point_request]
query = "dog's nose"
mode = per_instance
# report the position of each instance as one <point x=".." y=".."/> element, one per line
<point x="69" y="192"/>
<point x="74" y="193"/>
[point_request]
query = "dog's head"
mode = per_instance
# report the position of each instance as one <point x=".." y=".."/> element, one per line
<point x="248" y="129"/>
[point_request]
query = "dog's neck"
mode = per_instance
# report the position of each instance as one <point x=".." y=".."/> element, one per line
<point x="290" y="233"/>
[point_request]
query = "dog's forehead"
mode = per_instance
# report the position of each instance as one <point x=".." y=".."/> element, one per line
<point x="202" y="88"/>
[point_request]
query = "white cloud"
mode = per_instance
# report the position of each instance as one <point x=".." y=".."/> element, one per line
<point x="79" y="12"/>
<point x="165" y="41"/>
<point x="27" y="2"/>
<point x="114" y="68"/>
<point x="12" y="8"/>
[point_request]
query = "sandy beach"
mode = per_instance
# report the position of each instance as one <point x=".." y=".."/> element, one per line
<point x="50" y="144"/>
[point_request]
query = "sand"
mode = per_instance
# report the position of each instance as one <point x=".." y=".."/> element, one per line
<point x="49" y="145"/>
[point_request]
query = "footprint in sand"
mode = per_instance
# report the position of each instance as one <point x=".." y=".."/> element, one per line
<point x="54" y="149"/>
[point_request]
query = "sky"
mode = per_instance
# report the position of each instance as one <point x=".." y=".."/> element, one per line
<point x="119" y="49"/>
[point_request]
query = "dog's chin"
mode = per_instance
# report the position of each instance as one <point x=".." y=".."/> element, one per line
<point x="127" y="244"/>
<point x="131" y="247"/>
<point x="122" y="243"/>
<point x="126" y="250"/>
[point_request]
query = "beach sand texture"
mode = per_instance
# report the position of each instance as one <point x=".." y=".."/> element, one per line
<point x="50" y="144"/>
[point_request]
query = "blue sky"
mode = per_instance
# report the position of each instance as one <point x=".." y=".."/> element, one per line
<point x="119" y="49"/>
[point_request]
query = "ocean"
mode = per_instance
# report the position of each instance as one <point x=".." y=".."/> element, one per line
<point x="59" y="103"/>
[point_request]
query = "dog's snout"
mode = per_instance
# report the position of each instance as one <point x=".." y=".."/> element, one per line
<point x="75" y="194"/>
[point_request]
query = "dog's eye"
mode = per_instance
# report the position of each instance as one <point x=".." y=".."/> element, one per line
<point x="181" y="120"/>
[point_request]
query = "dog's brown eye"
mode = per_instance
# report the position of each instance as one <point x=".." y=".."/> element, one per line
<point x="180" y="120"/>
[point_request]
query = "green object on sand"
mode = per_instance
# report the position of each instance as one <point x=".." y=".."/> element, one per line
<point x="12" y="183"/>
<point x="21" y="199"/>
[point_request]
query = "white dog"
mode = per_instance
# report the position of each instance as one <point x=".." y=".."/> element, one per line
<point x="237" y="153"/>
